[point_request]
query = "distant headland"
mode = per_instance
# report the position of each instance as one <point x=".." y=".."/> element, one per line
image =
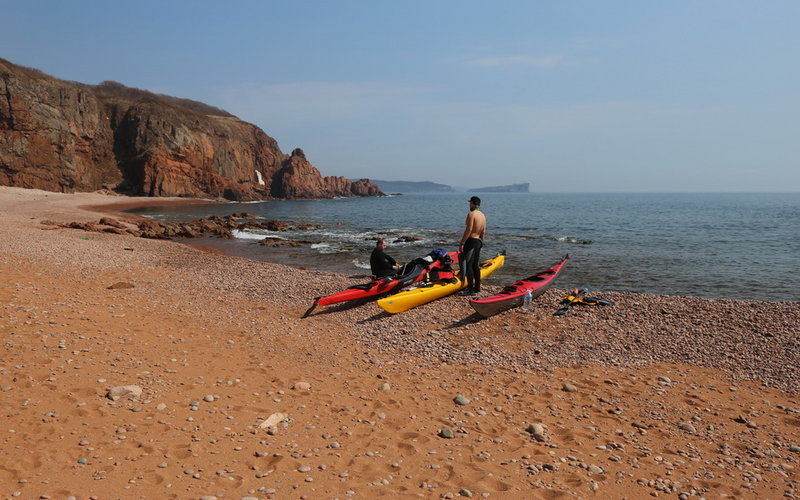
<point x="412" y="187"/>
<point x="511" y="188"/>
<point x="403" y="187"/>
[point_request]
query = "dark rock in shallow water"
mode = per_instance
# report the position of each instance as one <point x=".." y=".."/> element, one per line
<point x="278" y="243"/>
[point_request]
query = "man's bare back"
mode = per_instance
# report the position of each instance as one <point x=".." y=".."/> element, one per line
<point x="475" y="225"/>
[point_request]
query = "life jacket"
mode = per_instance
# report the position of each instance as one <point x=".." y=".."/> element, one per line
<point x="440" y="274"/>
<point x="444" y="271"/>
<point x="587" y="301"/>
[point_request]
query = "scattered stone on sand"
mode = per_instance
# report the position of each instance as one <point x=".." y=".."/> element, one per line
<point x="537" y="431"/>
<point x="461" y="400"/>
<point x="124" y="391"/>
<point x="273" y="420"/>
<point x="446" y="433"/>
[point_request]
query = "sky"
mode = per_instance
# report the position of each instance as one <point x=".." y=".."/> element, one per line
<point x="570" y="96"/>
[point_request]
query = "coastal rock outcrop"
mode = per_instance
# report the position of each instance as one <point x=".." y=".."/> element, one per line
<point x="67" y="136"/>
<point x="299" y="179"/>
<point x="221" y="227"/>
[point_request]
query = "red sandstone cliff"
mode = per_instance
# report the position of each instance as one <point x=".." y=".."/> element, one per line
<point x="66" y="136"/>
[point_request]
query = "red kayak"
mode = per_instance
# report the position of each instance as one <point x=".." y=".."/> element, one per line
<point x="437" y="261"/>
<point x="512" y="295"/>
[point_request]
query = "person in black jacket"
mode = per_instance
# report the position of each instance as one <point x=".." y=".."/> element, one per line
<point x="380" y="263"/>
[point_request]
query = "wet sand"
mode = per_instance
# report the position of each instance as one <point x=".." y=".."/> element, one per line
<point x="655" y="396"/>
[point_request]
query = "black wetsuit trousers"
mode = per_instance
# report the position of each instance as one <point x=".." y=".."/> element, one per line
<point x="470" y="263"/>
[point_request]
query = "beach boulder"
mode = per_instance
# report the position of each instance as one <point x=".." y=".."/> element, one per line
<point x="124" y="392"/>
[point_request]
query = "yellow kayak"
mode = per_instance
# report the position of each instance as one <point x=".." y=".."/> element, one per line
<point x="414" y="297"/>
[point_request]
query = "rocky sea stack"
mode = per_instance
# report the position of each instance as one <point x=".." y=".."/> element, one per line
<point x="66" y="136"/>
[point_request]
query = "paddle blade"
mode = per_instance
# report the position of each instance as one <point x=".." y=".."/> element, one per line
<point x="562" y="311"/>
<point x="313" y="306"/>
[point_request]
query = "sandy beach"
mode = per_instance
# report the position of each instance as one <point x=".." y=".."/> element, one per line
<point x="230" y="394"/>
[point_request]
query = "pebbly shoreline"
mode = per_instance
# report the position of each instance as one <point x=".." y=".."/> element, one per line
<point x="750" y="340"/>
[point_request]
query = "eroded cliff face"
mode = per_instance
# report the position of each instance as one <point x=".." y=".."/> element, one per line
<point x="66" y="136"/>
<point x="299" y="179"/>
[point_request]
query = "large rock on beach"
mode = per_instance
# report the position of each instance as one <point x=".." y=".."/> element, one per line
<point x="124" y="392"/>
<point x="67" y="136"/>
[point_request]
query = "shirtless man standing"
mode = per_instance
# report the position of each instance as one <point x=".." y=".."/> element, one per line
<point x="470" y="247"/>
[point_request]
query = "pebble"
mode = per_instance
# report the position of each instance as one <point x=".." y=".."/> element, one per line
<point x="594" y="469"/>
<point x="461" y="400"/>
<point x="208" y="398"/>
<point x="569" y="388"/>
<point x="794" y="448"/>
<point x="446" y="433"/>
<point x="537" y="431"/>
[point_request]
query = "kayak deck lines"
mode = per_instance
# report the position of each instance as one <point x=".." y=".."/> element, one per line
<point x="513" y="295"/>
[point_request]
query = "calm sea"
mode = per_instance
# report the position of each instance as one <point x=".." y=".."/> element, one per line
<point x="733" y="245"/>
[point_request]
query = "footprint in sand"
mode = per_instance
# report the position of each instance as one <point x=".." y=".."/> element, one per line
<point x="154" y="479"/>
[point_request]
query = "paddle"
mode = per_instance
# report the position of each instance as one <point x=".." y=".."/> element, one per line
<point x="313" y="306"/>
<point x="576" y="295"/>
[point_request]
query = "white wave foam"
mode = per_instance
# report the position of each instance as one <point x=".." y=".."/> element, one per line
<point x="325" y="248"/>
<point x="573" y="240"/>
<point x="247" y="235"/>
<point x="251" y="235"/>
<point x="360" y="265"/>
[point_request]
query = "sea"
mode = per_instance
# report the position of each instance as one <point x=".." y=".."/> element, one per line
<point x="717" y="245"/>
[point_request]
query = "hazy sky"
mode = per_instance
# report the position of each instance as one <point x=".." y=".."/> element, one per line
<point x="700" y="95"/>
